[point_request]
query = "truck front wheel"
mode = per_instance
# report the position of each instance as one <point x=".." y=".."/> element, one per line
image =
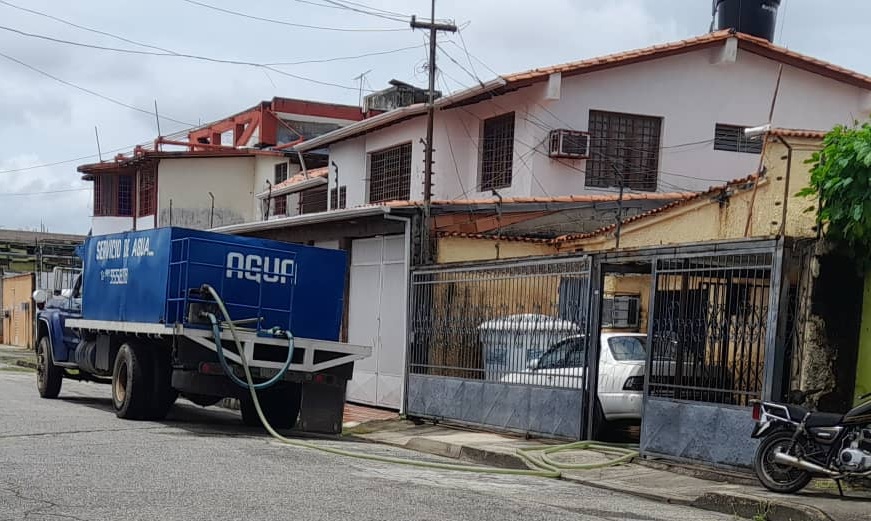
<point x="49" y="377"/>
<point x="132" y="382"/>
<point x="280" y="406"/>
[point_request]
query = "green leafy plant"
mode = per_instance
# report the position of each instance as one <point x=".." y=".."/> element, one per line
<point x="841" y="179"/>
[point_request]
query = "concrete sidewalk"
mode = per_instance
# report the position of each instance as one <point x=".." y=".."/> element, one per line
<point x="17" y="357"/>
<point x="728" y="493"/>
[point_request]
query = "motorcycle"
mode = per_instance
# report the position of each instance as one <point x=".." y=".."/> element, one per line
<point x="799" y="445"/>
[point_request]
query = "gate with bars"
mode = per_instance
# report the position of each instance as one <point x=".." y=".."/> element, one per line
<point x="477" y="331"/>
<point x="713" y="347"/>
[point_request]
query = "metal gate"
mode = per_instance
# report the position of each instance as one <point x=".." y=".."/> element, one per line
<point x="711" y="351"/>
<point x="501" y="344"/>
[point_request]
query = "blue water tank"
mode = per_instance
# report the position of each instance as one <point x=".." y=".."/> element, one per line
<point x="754" y="17"/>
<point x="154" y="276"/>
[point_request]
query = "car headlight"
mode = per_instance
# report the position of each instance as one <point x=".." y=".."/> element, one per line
<point x="634" y="383"/>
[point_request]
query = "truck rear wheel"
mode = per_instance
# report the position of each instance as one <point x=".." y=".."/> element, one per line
<point x="49" y="377"/>
<point x="280" y="406"/>
<point x="132" y="382"/>
<point x="163" y="396"/>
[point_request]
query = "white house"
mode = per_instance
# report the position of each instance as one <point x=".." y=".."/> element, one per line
<point x="223" y="174"/>
<point x="664" y="118"/>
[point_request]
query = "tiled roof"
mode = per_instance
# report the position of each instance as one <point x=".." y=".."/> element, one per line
<point x="494" y="237"/>
<point x="591" y="198"/>
<point x="753" y="44"/>
<point x="313" y="173"/>
<point x="799" y="133"/>
<point x="714" y="190"/>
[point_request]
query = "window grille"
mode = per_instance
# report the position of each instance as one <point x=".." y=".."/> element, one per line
<point x="147" y="194"/>
<point x="280" y="173"/>
<point x="731" y="138"/>
<point x="313" y="200"/>
<point x="280" y="206"/>
<point x="113" y="195"/>
<point x="497" y="152"/>
<point x="338" y="197"/>
<point x="623" y="145"/>
<point x="390" y="174"/>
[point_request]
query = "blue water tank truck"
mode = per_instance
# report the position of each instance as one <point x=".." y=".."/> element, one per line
<point x="143" y="315"/>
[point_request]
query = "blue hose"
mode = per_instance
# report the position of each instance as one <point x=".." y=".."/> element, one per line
<point x="216" y="331"/>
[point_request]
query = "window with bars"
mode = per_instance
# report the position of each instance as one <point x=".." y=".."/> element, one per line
<point x="147" y="193"/>
<point x="731" y="138"/>
<point x="280" y="173"/>
<point x="113" y="195"/>
<point x="279" y="206"/>
<point x="497" y="152"/>
<point x="390" y="174"/>
<point x="313" y="200"/>
<point x="623" y="146"/>
<point x="338" y="197"/>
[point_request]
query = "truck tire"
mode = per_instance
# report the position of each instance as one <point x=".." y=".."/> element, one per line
<point x="49" y="377"/>
<point x="132" y="382"/>
<point x="163" y="396"/>
<point x="280" y="406"/>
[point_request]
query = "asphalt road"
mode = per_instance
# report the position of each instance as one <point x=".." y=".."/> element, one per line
<point x="71" y="458"/>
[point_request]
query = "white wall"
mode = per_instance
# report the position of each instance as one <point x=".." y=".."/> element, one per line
<point x="690" y="92"/>
<point x="188" y="183"/>
<point x="145" y="223"/>
<point x="264" y="170"/>
<point x="105" y="225"/>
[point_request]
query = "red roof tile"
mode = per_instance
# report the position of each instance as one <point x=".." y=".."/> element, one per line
<point x="313" y="173"/>
<point x="799" y="133"/>
<point x="494" y="237"/>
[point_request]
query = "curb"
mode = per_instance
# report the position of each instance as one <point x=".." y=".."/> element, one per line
<point x="750" y="506"/>
<point x="735" y="504"/>
<point x="26" y="363"/>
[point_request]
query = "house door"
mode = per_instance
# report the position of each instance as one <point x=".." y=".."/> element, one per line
<point x="376" y="317"/>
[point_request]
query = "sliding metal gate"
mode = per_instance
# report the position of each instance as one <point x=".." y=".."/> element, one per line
<point x="501" y="344"/>
<point x="711" y="351"/>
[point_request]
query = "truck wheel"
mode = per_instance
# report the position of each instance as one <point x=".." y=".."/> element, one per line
<point x="49" y="377"/>
<point x="280" y="406"/>
<point x="132" y="382"/>
<point x="163" y="396"/>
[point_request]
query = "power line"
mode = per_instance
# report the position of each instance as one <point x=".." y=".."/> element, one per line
<point x="84" y="28"/>
<point x="91" y="92"/>
<point x="25" y="194"/>
<point x="177" y="55"/>
<point x="341" y="58"/>
<point x="291" y="24"/>
<point x="362" y="9"/>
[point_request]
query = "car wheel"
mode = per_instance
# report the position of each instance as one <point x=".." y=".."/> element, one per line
<point x="49" y="377"/>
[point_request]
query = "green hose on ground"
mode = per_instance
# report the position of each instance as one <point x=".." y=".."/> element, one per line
<point x="547" y="468"/>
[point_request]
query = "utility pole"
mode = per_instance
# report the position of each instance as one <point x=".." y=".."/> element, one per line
<point x="430" y="115"/>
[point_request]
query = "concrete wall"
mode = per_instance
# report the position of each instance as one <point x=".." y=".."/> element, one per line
<point x="460" y="249"/>
<point x="187" y="182"/>
<point x="17" y="310"/>
<point x="688" y="91"/>
<point x="104" y="225"/>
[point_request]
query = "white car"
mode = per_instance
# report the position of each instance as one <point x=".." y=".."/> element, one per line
<point x="621" y="371"/>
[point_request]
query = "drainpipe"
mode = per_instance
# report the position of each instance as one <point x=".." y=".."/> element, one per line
<point x="786" y="184"/>
<point x="302" y="164"/>
<point x="407" y="221"/>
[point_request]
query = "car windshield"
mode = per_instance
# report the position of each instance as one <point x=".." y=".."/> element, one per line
<point x="568" y="353"/>
<point x="628" y="348"/>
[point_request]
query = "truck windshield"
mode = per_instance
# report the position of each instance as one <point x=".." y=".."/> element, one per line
<point x="628" y="348"/>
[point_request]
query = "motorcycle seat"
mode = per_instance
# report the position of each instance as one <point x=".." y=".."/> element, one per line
<point x="823" y="419"/>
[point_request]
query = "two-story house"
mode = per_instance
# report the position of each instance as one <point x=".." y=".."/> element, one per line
<point x="224" y="173"/>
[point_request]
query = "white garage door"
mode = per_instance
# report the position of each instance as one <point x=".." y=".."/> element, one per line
<point x="376" y="317"/>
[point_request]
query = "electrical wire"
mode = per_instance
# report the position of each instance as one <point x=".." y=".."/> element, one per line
<point x="368" y="11"/>
<point x="93" y="93"/>
<point x="25" y="194"/>
<point x="291" y="24"/>
<point x="343" y="58"/>
<point x="177" y="55"/>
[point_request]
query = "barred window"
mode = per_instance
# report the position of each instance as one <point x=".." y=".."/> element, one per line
<point x="313" y="200"/>
<point x="280" y="206"/>
<point x="280" y="173"/>
<point x="147" y="193"/>
<point x="338" y="197"/>
<point x="113" y="195"/>
<point x="497" y="152"/>
<point x="390" y="174"/>
<point x="623" y="145"/>
<point x="731" y="138"/>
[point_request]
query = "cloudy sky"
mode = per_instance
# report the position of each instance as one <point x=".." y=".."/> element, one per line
<point x="44" y="121"/>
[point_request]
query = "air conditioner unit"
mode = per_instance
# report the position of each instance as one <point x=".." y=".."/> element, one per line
<point x="621" y="311"/>
<point x="572" y="144"/>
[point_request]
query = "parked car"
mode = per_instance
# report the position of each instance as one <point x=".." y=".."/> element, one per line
<point x="621" y="371"/>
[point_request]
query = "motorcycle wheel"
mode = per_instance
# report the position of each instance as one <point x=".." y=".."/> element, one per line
<point x="779" y="478"/>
